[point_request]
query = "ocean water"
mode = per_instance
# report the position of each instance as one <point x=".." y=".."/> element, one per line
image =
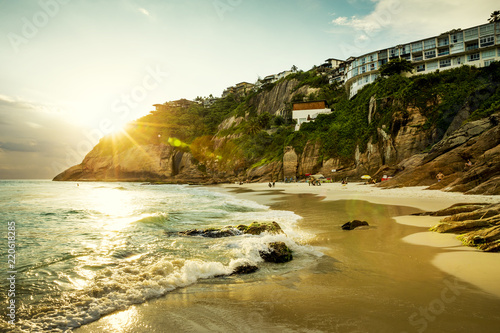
<point x="86" y="250"/>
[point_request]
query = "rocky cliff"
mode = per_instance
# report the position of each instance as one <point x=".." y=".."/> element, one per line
<point x="139" y="163"/>
<point x="406" y="129"/>
<point x="277" y="101"/>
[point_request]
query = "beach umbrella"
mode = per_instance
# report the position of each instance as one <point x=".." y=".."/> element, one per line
<point x="365" y="177"/>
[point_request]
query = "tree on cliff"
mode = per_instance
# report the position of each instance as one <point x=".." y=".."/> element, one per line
<point x="396" y="66"/>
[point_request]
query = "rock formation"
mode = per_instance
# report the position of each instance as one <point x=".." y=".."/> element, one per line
<point x="277" y="100"/>
<point x="477" y="224"/>
<point x="351" y="225"/>
<point x="407" y="147"/>
<point x="254" y="228"/>
<point x="478" y="141"/>
<point x="277" y="252"/>
<point x="138" y="163"/>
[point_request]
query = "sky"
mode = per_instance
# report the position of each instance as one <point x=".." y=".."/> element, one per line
<point x="72" y="71"/>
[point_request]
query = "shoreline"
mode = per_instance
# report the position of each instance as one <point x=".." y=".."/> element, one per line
<point x="463" y="262"/>
<point x="368" y="280"/>
<point x="418" y="196"/>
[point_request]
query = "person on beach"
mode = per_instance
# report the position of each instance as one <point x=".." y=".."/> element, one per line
<point x="274" y="183"/>
<point x="270" y="185"/>
<point x="440" y="176"/>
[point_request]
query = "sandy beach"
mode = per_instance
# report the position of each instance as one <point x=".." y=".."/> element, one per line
<point x="394" y="276"/>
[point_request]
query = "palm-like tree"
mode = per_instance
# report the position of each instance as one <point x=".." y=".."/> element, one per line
<point x="494" y="17"/>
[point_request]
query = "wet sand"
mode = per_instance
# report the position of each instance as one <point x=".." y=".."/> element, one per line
<point x="394" y="276"/>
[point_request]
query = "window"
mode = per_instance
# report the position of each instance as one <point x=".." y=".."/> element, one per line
<point x="488" y="54"/>
<point x="429" y="44"/>
<point x="382" y="62"/>
<point x="405" y="49"/>
<point x="445" y="63"/>
<point x="487" y="29"/>
<point x="456" y="48"/>
<point x="488" y="62"/>
<point x="373" y="67"/>
<point x="363" y="69"/>
<point x="393" y="53"/>
<point x="418" y="58"/>
<point x="415" y="47"/>
<point x="443" y="41"/>
<point x="487" y="41"/>
<point x="430" y="54"/>
<point x="367" y="78"/>
<point x="432" y="65"/>
<point x="470" y="34"/>
<point x="457" y="37"/>
<point x="458" y="61"/>
<point x="421" y="68"/>
<point x="473" y="57"/>
<point x="472" y="46"/>
<point x="443" y="52"/>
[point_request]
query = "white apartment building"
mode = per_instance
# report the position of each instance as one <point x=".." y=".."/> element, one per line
<point x="477" y="46"/>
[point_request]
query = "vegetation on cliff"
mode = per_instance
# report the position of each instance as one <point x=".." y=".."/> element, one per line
<point x="235" y="134"/>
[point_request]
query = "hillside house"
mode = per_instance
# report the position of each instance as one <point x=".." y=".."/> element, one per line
<point x="304" y="112"/>
<point x="181" y="103"/>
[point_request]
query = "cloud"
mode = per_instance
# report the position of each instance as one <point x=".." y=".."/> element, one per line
<point x="36" y="142"/>
<point x="393" y="22"/>
<point x="144" y="11"/>
<point x="20" y="147"/>
<point x="362" y="24"/>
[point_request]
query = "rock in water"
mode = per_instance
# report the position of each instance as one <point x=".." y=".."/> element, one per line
<point x="354" y="224"/>
<point x="277" y="252"/>
<point x="211" y="232"/>
<point x="245" y="269"/>
<point x="256" y="228"/>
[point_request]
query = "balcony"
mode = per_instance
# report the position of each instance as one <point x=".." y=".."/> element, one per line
<point x="443" y="43"/>
<point x="443" y="52"/>
<point x="472" y="47"/>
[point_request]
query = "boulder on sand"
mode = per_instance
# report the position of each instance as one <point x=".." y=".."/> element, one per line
<point x="354" y="224"/>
